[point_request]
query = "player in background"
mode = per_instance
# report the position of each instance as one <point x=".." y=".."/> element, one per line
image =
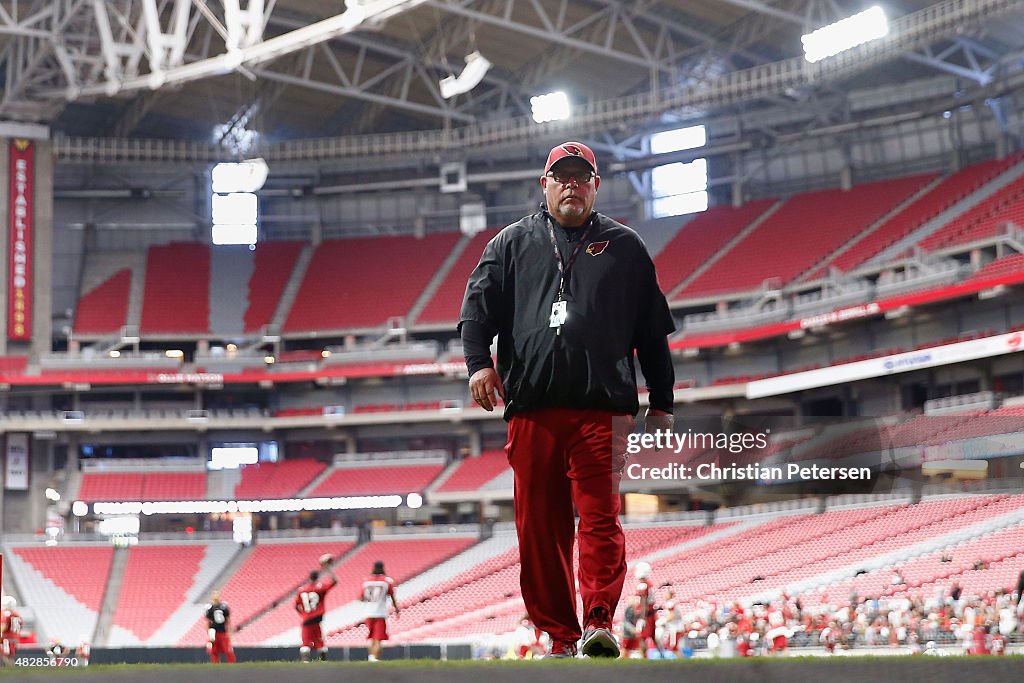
<point x="10" y="630"/>
<point x="310" y="604"/>
<point x="57" y="649"/>
<point x="530" y="641"/>
<point x="377" y="590"/>
<point x="997" y="642"/>
<point x="83" y="651"/>
<point x="649" y="610"/>
<point x="830" y="636"/>
<point x="218" y="621"/>
<point x="632" y="621"/>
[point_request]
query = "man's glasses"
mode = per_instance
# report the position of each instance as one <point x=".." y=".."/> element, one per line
<point x="578" y="177"/>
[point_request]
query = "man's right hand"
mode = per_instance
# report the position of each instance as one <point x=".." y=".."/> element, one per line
<point x="483" y="385"/>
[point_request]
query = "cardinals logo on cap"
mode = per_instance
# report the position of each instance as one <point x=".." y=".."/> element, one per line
<point x="597" y="248"/>
<point x="573" y="149"/>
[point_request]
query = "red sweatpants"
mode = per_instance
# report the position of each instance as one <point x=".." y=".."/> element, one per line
<point x="563" y="457"/>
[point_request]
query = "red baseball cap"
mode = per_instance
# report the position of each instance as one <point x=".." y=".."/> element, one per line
<point x="570" y="149"/>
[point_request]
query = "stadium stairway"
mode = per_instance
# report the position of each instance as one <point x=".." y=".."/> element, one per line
<point x="712" y="537"/>
<point x="137" y="291"/>
<point x="811" y="547"/>
<point x="220" y="484"/>
<point x="100" y="268"/>
<point x="870" y="229"/>
<point x="218" y="560"/>
<point x="828" y="581"/>
<point x="58" y="612"/>
<point x="442" y="478"/>
<point x="115" y="579"/>
<point x="674" y="294"/>
<point x="284" y="306"/>
<point x="282" y="599"/>
<point x="416" y="588"/>
<point x="938" y="222"/>
<point x="231" y="267"/>
<point x="320" y="478"/>
<point x="465" y="605"/>
<point x="438" y="278"/>
<point x="226" y="571"/>
<point x="404" y="557"/>
<point x="501" y="486"/>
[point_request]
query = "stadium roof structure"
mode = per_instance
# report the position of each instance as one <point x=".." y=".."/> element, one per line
<point x="364" y="74"/>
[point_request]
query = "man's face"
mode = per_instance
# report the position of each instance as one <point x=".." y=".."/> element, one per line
<point x="570" y="201"/>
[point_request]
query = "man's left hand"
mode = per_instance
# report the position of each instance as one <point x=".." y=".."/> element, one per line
<point x="657" y="419"/>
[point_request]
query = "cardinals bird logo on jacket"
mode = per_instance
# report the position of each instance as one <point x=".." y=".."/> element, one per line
<point x="597" y="248"/>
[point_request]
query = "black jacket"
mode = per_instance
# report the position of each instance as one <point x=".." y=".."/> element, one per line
<point x="614" y="307"/>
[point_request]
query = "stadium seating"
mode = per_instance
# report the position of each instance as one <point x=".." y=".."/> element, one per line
<point x="271" y="572"/>
<point x="951" y="190"/>
<point x="923" y="574"/>
<point x="444" y="305"/>
<point x="365" y="297"/>
<point x="174" y="486"/>
<point x="156" y="580"/>
<point x="277" y="480"/>
<point x="301" y="356"/>
<point x="113" y="486"/>
<point x="819" y="222"/>
<point x="982" y="220"/>
<point x="486" y="598"/>
<point x="104" y="309"/>
<point x="135" y="486"/>
<point x="13" y="364"/>
<point x="814" y="547"/>
<point x="470" y="473"/>
<point x="80" y="572"/>
<point x="998" y="421"/>
<point x="403" y="558"/>
<point x="274" y="262"/>
<point x="68" y="573"/>
<point x="177" y="289"/>
<point x="1003" y="266"/>
<point x="702" y="238"/>
<point x="378" y="479"/>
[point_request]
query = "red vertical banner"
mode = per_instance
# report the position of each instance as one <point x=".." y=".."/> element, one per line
<point x="20" y="209"/>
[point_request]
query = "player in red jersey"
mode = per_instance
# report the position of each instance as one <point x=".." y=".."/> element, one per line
<point x="632" y="624"/>
<point x="377" y="590"/>
<point x="310" y="603"/>
<point x="830" y="636"/>
<point x="649" y="611"/>
<point x="10" y="630"/>
<point x="218" y="621"/>
<point x="997" y="642"/>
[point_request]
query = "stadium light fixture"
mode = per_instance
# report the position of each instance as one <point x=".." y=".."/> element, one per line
<point x="414" y="501"/>
<point x="234" y="206"/>
<point x="844" y="34"/>
<point x="554" y="106"/>
<point x="476" y="68"/>
<point x="232" y="457"/>
<point x="245" y="176"/>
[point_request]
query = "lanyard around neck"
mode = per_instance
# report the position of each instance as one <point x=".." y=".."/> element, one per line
<point x="565" y="270"/>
